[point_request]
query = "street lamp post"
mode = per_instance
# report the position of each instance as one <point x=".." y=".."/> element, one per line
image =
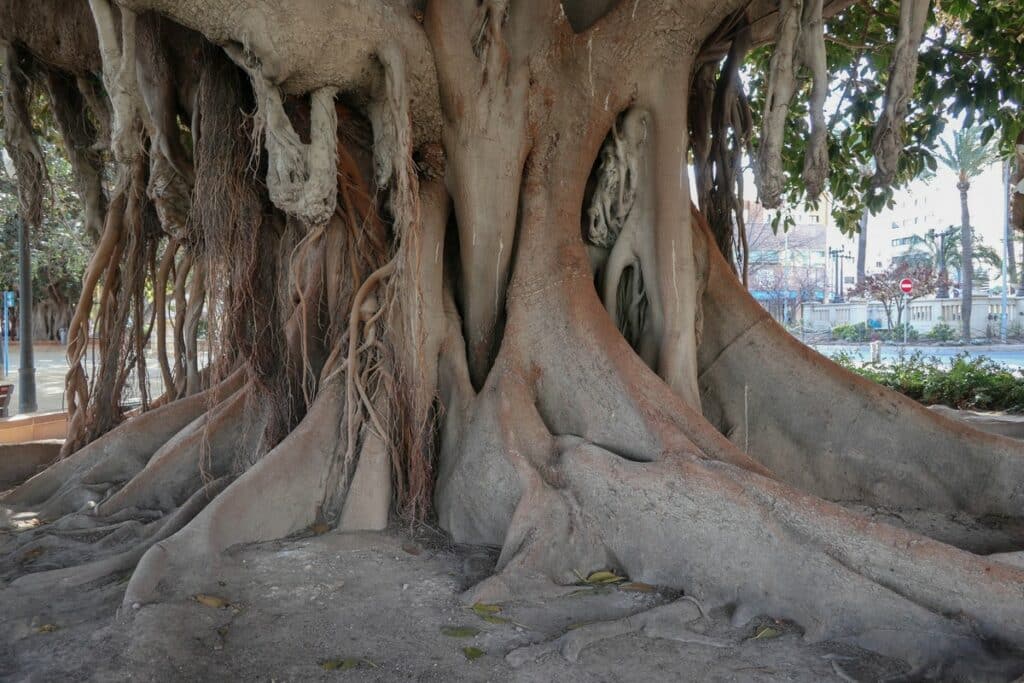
<point x="27" y="371"/>
<point x="1006" y="246"/>
<point x="838" y="256"/>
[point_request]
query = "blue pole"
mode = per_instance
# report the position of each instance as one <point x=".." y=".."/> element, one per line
<point x="7" y="338"/>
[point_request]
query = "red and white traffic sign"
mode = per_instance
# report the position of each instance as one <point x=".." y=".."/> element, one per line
<point x="907" y="285"/>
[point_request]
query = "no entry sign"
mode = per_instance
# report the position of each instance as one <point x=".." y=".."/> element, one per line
<point x="907" y="285"/>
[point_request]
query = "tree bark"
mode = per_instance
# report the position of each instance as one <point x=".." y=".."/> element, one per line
<point x="967" y="261"/>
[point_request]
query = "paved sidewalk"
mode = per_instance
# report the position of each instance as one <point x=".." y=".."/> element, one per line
<point x="51" y="367"/>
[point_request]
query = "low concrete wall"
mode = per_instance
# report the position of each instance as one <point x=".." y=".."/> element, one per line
<point x="19" y="461"/>
<point x="923" y="314"/>
<point x="33" y="427"/>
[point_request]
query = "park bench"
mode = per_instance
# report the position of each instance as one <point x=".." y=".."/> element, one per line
<point x="6" y="391"/>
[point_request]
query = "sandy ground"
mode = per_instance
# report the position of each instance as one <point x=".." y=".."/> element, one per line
<point x="380" y="607"/>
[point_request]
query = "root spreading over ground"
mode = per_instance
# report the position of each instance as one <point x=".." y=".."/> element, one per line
<point x="450" y="270"/>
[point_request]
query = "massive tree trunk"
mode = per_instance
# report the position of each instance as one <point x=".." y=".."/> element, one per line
<point x="475" y="284"/>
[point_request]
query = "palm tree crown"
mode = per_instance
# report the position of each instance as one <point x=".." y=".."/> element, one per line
<point x="968" y="156"/>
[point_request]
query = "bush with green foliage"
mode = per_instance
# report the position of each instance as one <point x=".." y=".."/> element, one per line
<point x="860" y="332"/>
<point x="965" y="381"/>
<point x="852" y="333"/>
<point x="942" y="332"/>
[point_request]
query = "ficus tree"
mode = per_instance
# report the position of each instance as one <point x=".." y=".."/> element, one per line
<point x="455" y="270"/>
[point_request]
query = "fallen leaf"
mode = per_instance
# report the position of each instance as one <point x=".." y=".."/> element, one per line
<point x="412" y="548"/>
<point x="47" y="628"/>
<point x="211" y="601"/>
<point x="339" y="664"/>
<point x="459" y="631"/>
<point x="473" y="653"/>
<point x="604" y="576"/>
<point x="637" y="587"/>
<point x="494" y="619"/>
<point x="483" y="609"/>
<point x="766" y="633"/>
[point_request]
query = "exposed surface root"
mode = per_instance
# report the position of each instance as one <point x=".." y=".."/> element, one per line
<point x="81" y="574"/>
<point x="666" y="621"/>
<point x="113" y="458"/>
<point x="853" y="581"/>
<point x="279" y="495"/>
<point x="864" y="443"/>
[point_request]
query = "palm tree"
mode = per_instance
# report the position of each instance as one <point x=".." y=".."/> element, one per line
<point x="944" y="252"/>
<point x="967" y="157"/>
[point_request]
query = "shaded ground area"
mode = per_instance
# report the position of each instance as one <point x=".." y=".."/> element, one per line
<point x="381" y="607"/>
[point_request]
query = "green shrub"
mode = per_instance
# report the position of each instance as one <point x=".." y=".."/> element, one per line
<point x="972" y="382"/>
<point x="896" y="333"/>
<point x="942" y="332"/>
<point x="851" y="333"/>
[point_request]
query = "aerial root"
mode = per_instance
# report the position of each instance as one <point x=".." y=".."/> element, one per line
<point x="887" y="142"/>
<point x="770" y="177"/>
<point x="813" y="55"/>
<point x="670" y="621"/>
<point x="301" y="178"/>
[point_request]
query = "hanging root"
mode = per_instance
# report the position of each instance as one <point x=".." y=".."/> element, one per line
<point x="118" y="55"/>
<point x="781" y="88"/>
<point x="81" y="141"/>
<point x="19" y="140"/>
<point x="887" y="142"/>
<point x="301" y="178"/>
<point x="813" y="56"/>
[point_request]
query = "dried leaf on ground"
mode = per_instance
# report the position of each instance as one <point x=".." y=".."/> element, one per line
<point x="473" y="653"/>
<point x="459" y="631"/>
<point x="211" y="601"/>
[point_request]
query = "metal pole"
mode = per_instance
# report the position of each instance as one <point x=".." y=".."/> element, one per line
<point x="27" y="371"/>
<point x="7" y="338"/>
<point x="1006" y="246"/>
<point x="906" y="323"/>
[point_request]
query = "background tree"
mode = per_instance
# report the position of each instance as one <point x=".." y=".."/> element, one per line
<point x="967" y="157"/>
<point x="454" y="264"/>
<point x="944" y="252"/>
<point x="884" y="288"/>
<point x="60" y="245"/>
